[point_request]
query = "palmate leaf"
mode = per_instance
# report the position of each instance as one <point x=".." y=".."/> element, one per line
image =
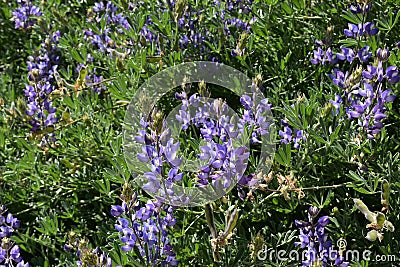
<point x="370" y="216"/>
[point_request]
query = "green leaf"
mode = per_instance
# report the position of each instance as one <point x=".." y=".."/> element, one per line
<point x="77" y="56"/>
<point x="353" y="18"/>
<point x="284" y="155"/>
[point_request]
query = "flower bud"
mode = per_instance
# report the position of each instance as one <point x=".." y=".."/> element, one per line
<point x="313" y="211"/>
<point x="382" y="54"/>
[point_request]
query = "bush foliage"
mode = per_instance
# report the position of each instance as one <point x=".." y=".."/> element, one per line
<point x="68" y="70"/>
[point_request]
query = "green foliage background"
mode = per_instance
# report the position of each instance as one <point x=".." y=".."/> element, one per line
<point x="71" y="186"/>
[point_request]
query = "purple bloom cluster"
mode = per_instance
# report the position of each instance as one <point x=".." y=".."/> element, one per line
<point x="9" y="252"/>
<point x="250" y="181"/>
<point x="366" y="93"/>
<point x="355" y="31"/>
<point x="313" y="237"/>
<point x="220" y="161"/>
<point x="88" y="257"/>
<point x="288" y="135"/>
<point x="232" y="21"/>
<point x="233" y="24"/>
<point x="254" y="117"/>
<point x="239" y="6"/>
<point x="144" y="227"/>
<point x="347" y="54"/>
<point x="41" y="84"/>
<point x="159" y="151"/>
<point x="194" y="33"/>
<point x="361" y="8"/>
<point x="25" y="17"/>
<point x="96" y="82"/>
<point x="115" y="23"/>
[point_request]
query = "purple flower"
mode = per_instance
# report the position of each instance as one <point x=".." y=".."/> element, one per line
<point x="314" y="238"/>
<point x="286" y="134"/>
<point x="353" y="31"/>
<point x="246" y="101"/>
<point x="370" y="72"/>
<point x="41" y="78"/>
<point x="336" y="104"/>
<point x="356" y="9"/>
<point x="392" y="74"/>
<point x="339" y="78"/>
<point x="145" y="228"/>
<point x="153" y="184"/>
<point x="9" y="252"/>
<point x="347" y="54"/>
<point x="25" y="17"/>
<point x="360" y="8"/>
<point x="96" y="82"/>
<point x="118" y="210"/>
<point x="363" y="54"/>
<point x="369" y="29"/>
<point x="184" y="41"/>
<point x="321" y="56"/>
<point x="386" y="97"/>
<point x="298" y="136"/>
<point x="114" y="24"/>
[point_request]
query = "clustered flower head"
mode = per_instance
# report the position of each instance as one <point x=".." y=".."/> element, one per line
<point x="41" y="78"/>
<point x="255" y="117"/>
<point x="9" y="252"/>
<point x="87" y="257"/>
<point x="25" y="17"/>
<point x="366" y="91"/>
<point x="158" y="151"/>
<point x="144" y="229"/>
<point x="220" y="160"/>
<point x="313" y="237"/>
<point x="193" y="35"/>
<point x="115" y="23"/>
<point x="288" y="135"/>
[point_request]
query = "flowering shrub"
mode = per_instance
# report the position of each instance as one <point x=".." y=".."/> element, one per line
<point x="213" y="179"/>
<point x="366" y="94"/>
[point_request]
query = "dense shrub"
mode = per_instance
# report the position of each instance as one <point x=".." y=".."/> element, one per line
<point x="328" y="71"/>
